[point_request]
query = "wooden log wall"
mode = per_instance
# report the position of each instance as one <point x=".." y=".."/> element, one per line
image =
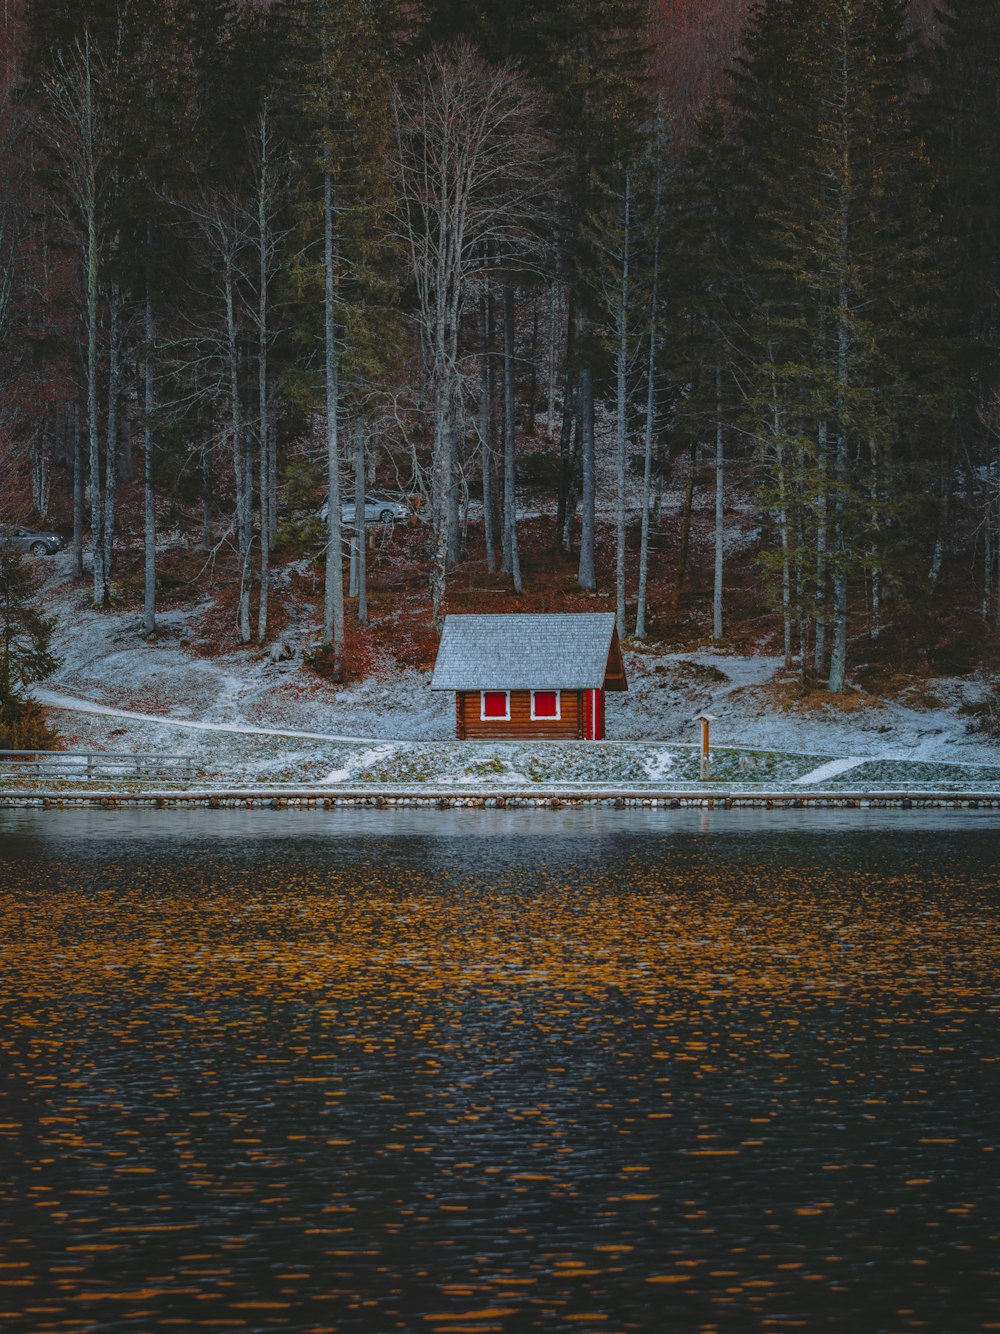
<point x="520" y="725"/>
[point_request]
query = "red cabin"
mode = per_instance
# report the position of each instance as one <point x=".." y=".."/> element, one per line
<point x="530" y="676"/>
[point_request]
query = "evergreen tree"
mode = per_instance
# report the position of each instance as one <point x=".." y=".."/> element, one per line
<point x="24" y="636"/>
<point x="842" y="281"/>
<point x="960" y="118"/>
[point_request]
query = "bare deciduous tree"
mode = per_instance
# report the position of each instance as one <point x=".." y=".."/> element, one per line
<point x="470" y="166"/>
<point x="80" y="139"/>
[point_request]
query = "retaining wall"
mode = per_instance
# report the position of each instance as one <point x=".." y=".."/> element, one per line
<point x="310" y="799"/>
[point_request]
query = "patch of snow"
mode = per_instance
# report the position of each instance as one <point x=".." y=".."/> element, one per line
<point x="830" y="770"/>
<point x="361" y="760"/>
<point x="658" y="765"/>
<point x="740" y="671"/>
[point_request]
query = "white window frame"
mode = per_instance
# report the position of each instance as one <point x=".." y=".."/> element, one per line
<point x="485" y="717"/>
<point x="547" y="717"/>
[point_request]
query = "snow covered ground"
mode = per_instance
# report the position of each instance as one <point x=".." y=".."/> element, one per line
<point x="241" y="715"/>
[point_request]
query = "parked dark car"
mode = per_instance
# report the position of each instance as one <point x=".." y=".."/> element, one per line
<point x="23" y="539"/>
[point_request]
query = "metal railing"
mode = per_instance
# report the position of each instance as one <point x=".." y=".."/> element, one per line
<point x="77" y="764"/>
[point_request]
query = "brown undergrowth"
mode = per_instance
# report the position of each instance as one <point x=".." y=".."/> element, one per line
<point x="943" y="636"/>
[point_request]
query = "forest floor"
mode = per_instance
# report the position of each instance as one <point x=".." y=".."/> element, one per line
<point x="243" y="718"/>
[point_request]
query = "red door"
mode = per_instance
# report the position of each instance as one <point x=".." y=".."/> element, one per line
<point x="594" y="715"/>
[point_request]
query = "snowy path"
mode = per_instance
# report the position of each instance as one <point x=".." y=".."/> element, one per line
<point x="831" y="770"/>
<point x="52" y="700"/>
<point x="740" y="671"/>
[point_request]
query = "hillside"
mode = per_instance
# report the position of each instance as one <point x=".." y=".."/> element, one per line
<point x="915" y="696"/>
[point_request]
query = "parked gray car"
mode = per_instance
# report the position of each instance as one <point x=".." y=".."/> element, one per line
<point x="23" y="539"/>
<point x="377" y="510"/>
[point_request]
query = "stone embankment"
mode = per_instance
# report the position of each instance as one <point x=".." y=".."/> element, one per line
<point x="310" y="799"/>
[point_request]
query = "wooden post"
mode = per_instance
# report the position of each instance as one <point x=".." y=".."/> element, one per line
<point x="705" y="764"/>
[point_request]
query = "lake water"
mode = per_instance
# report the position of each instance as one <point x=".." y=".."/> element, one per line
<point x="497" y="1071"/>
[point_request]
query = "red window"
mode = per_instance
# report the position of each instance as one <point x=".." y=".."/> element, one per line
<point x="545" y="704"/>
<point x="495" y="704"/>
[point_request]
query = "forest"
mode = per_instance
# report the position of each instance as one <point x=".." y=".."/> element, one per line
<point x="259" y="260"/>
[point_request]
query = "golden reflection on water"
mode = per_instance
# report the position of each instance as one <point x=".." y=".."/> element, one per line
<point x="661" y="1094"/>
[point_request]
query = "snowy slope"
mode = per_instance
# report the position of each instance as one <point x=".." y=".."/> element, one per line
<point x="107" y="664"/>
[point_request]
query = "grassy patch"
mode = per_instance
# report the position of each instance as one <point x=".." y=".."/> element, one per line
<point x="908" y="773"/>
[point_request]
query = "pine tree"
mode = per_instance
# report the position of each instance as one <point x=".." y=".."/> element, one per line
<point x="25" y="635"/>
<point x="960" y="119"/>
<point x="841" y="284"/>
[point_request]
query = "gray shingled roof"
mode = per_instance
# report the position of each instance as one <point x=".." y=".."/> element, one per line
<point x="524" y="652"/>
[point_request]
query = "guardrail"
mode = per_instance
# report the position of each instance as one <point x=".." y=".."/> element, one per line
<point x="75" y="764"/>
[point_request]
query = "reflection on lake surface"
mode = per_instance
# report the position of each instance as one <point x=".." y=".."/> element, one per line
<point x="498" y="1072"/>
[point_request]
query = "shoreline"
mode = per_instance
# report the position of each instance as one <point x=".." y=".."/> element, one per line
<point x="515" y="799"/>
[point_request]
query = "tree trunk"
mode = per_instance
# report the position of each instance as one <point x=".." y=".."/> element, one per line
<point x="719" y="507"/>
<point x="875" y="624"/>
<point x="77" y="492"/>
<point x="149" y="508"/>
<point x="647" y="453"/>
<point x="569" y="415"/>
<point x="987" y="571"/>
<point x="786" y="570"/>
<point x="782" y="516"/>
<point x="263" y="246"/>
<point x="621" y="396"/>
<point x="819" y="647"/>
<point x="265" y="532"/>
<point x="533" y="365"/>
<point x="509" y="442"/>
<point x="575" y="469"/>
<point x="360" y="529"/>
<point x="551" y="396"/>
<point x="454" y="540"/>
<point x="333" y="590"/>
<point x="272" y="479"/>
<point x="838" y="651"/>
<point x="111" y="440"/>
<point x="800" y="587"/>
<point x="206" y="490"/>
<point x="587" y="576"/>
<point x="40" y="475"/>
<point x="93" y="434"/>
<point x="440" y="486"/>
<point x="485" y="437"/>
<point x="647" y="496"/>
<point x="242" y="498"/>
<point x="685" y="538"/>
